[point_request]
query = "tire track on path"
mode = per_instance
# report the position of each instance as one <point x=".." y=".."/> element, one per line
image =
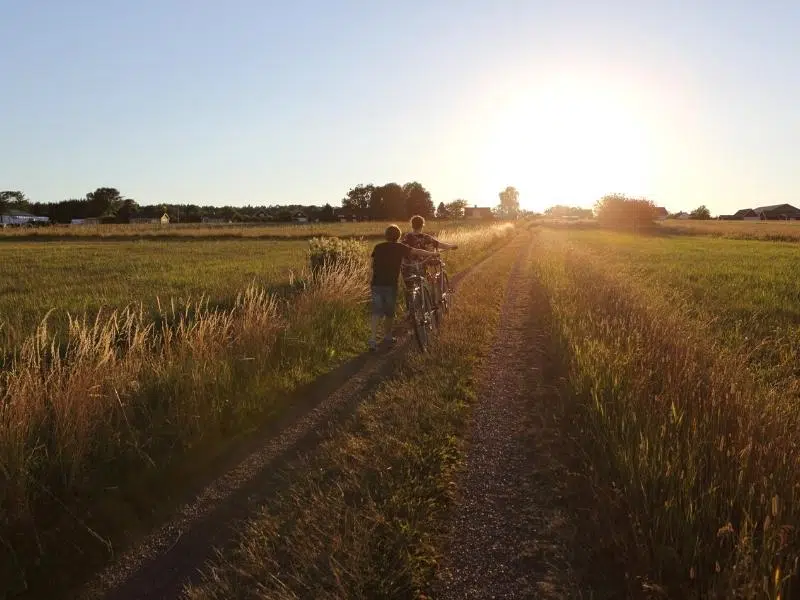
<point x="172" y="555"/>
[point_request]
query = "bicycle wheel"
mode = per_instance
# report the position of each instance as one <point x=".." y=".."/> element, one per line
<point x="431" y="310"/>
<point x="416" y="312"/>
<point x="446" y="292"/>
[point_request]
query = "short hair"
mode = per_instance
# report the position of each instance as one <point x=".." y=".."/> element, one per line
<point x="392" y="233"/>
<point x="417" y="222"/>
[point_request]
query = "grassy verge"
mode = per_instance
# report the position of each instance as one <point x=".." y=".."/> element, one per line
<point x="703" y="453"/>
<point x="96" y="423"/>
<point x="363" y="516"/>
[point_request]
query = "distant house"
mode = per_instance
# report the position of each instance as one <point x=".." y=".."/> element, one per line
<point x="299" y="217"/>
<point x="347" y="218"/>
<point x="478" y="212"/>
<point x="683" y="216"/>
<point x="661" y="213"/>
<point x="17" y="218"/>
<point x="164" y="219"/>
<point x="777" y="212"/>
<point x="746" y="214"/>
<point x="86" y="221"/>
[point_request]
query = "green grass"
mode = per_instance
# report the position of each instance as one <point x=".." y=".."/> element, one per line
<point x="748" y="292"/>
<point x="83" y="277"/>
<point x="684" y="352"/>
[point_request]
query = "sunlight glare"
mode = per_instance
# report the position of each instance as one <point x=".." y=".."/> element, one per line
<point x="570" y="141"/>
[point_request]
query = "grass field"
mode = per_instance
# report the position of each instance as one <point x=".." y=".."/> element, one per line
<point x="83" y="277"/>
<point x="97" y="418"/>
<point x="685" y="351"/>
<point x="370" y="229"/>
<point x="786" y="231"/>
<point x="111" y="266"/>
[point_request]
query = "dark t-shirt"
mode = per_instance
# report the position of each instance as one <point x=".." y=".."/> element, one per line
<point x="386" y="259"/>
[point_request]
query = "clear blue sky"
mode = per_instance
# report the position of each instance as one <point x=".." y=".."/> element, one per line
<point x="270" y="102"/>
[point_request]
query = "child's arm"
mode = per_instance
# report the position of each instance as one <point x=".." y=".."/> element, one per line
<point x="422" y="253"/>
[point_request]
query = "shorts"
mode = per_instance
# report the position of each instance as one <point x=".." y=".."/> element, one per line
<point x="384" y="299"/>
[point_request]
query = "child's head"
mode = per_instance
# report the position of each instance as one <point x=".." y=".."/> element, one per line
<point x="417" y="223"/>
<point x="392" y="233"/>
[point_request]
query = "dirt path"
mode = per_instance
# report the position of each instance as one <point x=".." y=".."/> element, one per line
<point x="514" y="530"/>
<point x="171" y="556"/>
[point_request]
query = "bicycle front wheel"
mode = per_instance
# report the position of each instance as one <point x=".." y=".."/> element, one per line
<point x="446" y="292"/>
<point x="416" y="312"/>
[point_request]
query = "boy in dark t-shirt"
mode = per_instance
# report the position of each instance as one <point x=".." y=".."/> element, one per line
<point x="386" y="260"/>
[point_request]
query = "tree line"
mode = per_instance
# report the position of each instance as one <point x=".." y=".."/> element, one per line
<point x="390" y="201"/>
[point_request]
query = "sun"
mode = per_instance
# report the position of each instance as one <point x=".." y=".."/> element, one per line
<point x="567" y="140"/>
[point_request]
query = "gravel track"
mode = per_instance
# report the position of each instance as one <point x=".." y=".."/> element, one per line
<point x="512" y="535"/>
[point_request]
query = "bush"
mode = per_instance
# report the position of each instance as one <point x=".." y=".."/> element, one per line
<point x="620" y="212"/>
<point x="330" y="252"/>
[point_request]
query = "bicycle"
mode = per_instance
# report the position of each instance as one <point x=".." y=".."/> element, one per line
<point x="420" y="305"/>
<point x="428" y="298"/>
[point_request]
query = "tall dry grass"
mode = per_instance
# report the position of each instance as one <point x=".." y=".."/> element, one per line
<point x="704" y="457"/>
<point x="127" y="391"/>
<point x="123" y="391"/>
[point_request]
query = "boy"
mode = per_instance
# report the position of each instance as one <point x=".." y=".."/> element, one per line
<point x="423" y="241"/>
<point x="386" y="259"/>
<point x="417" y="239"/>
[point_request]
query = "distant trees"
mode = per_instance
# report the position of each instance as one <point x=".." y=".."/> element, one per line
<point x="621" y="212"/>
<point x="509" y="203"/>
<point x="700" y="213"/>
<point x="456" y="208"/>
<point x="390" y="201"/>
<point x="562" y="211"/>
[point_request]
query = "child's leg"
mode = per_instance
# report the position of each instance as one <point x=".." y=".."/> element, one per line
<point x="391" y="303"/>
<point x="374" y="324"/>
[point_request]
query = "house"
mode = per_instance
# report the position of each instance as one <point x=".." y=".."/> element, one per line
<point x="299" y="217"/>
<point x="478" y="212"/>
<point x="777" y="212"/>
<point x="683" y="216"/>
<point x="17" y="218"/>
<point x="661" y="213"/>
<point x="164" y="219"/>
<point x="745" y="214"/>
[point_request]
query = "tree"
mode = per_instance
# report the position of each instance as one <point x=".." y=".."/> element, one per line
<point x="358" y="199"/>
<point x="621" y="212"/>
<point x="388" y="202"/>
<point x="127" y="211"/>
<point x="456" y="208"/>
<point x="509" y="203"/>
<point x="418" y="200"/>
<point x="442" y="212"/>
<point x="104" y="202"/>
<point x="700" y="213"/>
<point x="326" y="214"/>
<point x="14" y="199"/>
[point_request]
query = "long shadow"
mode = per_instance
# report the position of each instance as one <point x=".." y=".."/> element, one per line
<point x="252" y="475"/>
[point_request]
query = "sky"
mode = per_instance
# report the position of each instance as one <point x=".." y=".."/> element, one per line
<point x="275" y="102"/>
